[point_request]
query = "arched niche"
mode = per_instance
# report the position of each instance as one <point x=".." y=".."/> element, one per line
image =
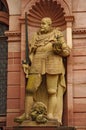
<point x="54" y="9"/>
<point x="61" y="14"/>
<point x="63" y="3"/>
<point x="59" y="11"/>
<point x="50" y="9"/>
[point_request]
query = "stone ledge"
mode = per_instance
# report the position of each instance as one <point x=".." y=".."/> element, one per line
<point x="40" y="128"/>
<point x="50" y="123"/>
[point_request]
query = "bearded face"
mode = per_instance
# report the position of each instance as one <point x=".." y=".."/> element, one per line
<point x="46" y="25"/>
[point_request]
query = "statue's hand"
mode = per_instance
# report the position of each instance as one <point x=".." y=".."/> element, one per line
<point x="57" y="48"/>
<point x="26" y="69"/>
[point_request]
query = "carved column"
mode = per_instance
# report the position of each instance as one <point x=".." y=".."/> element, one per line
<point x="69" y="20"/>
<point x="22" y="76"/>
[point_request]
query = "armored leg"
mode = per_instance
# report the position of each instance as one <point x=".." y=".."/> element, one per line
<point x="51" y="88"/>
<point x="59" y="107"/>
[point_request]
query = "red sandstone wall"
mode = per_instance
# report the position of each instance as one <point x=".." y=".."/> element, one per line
<point x="79" y="64"/>
<point x="14" y="94"/>
<point x="14" y="63"/>
<point x="79" y="82"/>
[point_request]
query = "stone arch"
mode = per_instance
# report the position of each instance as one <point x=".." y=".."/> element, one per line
<point x="4" y="13"/>
<point x="57" y="10"/>
<point x="65" y="5"/>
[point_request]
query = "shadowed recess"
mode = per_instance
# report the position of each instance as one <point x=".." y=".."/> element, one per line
<point x="46" y="8"/>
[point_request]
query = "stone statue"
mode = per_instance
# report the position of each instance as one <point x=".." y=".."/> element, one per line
<point x="47" y="50"/>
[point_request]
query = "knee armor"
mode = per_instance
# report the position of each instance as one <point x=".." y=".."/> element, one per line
<point x="51" y="91"/>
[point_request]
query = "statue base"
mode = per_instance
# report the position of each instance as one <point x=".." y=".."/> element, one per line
<point x="43" y="128"/>
<point x="33" y="123"/>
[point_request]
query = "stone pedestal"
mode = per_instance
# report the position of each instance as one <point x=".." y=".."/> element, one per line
<point x="34" y="124"/>
<point x="43" y="128"/>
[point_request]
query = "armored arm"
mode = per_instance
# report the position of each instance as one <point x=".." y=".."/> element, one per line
<point x="60" y="47"/>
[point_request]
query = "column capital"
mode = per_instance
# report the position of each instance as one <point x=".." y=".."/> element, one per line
<point x="69" y="18"/>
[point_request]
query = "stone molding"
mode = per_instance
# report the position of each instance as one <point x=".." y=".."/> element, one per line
<point x="69" y="18"/>
<point x="79" y="31"/>
<point x="13" y="36"/>
<point x="12" y="33"/>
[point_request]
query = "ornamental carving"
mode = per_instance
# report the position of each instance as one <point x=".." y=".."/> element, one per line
<point x="57" y="10"/>
<point x="47" y="8"/>
<point x="66" y="4"/>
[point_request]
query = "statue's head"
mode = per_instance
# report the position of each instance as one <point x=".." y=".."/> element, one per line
<point x="46" y="24"/>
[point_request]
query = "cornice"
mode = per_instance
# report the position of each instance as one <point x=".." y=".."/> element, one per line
<point x="13" y="36"/>
<point x="69" y="18"/>
<point x="79" y="31"/>
<point x="12" y="33"/>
